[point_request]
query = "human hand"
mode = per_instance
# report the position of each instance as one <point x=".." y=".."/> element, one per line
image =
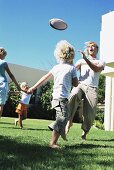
<point x="82" y="54"/>
<point x="30" y="90"/>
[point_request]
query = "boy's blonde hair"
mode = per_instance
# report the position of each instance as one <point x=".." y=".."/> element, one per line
<point x="3" y="51"/>
<point x="23" y="84"/>
<point x="88" y="44"/>
<point x="64" y="51"/>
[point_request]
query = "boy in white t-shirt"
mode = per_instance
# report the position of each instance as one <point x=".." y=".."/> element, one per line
<point x="22" y="106"/>
<point x="65" y="77"/>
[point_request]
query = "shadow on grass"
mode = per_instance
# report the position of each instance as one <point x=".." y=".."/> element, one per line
<point x="24" y="128"/>
<point x="25" y="156"/>
<point x="35" y="129"/>
<point x="7" y="123"/>
<point x="88" y="146"/>
<point x="14" y="154"/>
<point x="103" y="140"/>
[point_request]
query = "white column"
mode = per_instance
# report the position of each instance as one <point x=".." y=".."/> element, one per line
<point x="108" y="102"/>
<point x="107" y="54"/>
<point x="112" y="110"/>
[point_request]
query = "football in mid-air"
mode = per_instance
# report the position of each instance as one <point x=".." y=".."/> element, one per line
<point x="58" y="24"/>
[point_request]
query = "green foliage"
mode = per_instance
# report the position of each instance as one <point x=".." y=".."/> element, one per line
<point x="101" y="89"/>
<point x="100" y="115"/>
<point x="14" y="94"/>
<point x="98" y="124"/>
<point x="13" y="99"/>
<point x="99" y="119"/>
<point x="46" y="95"/>
<point x="43" y="105"/>
<point x="40" y="103"/>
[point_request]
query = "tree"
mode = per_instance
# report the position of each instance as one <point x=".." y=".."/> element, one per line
<point x="46" y="95"/>
<point x="13" y="99"/>
<point x="45" y="100"/>
<point x="40" y="103"/>
<point x="101" y="89"/>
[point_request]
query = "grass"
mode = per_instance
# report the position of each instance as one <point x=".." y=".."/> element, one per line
<point x="27" y="148"/>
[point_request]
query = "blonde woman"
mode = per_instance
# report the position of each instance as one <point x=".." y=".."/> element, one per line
<point x="3" y="79"/>
<point x="65" y="76"/>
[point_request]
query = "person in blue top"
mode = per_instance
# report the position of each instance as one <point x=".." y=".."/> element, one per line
<point x="65" y="77"/>
<point x="3" y="79"/>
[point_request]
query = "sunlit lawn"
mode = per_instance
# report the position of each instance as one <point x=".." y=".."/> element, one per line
<point x="27" y="148"/>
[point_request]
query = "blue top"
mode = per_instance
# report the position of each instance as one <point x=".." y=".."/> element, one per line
<point x="3" y="77"/>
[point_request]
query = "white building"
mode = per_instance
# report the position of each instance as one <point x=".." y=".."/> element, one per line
<point x="107" y="54"/>
<point x="22" y="73"/>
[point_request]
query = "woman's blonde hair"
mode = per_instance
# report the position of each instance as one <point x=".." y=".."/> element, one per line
<point x="64" y="52"/>
<point x="88" y="44"/>
<point x="3" y="51"/>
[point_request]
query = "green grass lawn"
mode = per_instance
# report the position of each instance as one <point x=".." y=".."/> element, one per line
<point x="27" y="148"/>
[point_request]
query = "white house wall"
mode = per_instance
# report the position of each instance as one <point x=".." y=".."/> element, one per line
<point x="22" y="73"/>
<point x="107" y="54"/>
<point x="107" y="38"/>
<point x="108" y="71"/>
<point x="109" y="104"/>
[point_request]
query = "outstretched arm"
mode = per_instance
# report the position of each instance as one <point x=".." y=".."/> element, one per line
<point x="12" y="77"/>
<point x="94" y="67"/>
<point x="44" y="79"/>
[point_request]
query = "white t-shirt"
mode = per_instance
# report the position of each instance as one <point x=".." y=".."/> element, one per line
<point x="87" y="75"/>
<point x="63" y="74"/>
<point x="25" y="98"/>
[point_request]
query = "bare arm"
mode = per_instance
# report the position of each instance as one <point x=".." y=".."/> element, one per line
<point x="94" y="67"/>
<point x="44" y="79"/>
<point x="12" y="77"/>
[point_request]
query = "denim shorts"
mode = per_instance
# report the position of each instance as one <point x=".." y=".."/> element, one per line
<point x="3" y="92"/>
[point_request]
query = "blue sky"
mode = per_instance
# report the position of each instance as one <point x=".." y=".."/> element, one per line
<point x="30" y="41"/>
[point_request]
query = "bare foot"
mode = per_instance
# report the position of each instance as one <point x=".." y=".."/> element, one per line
<point x="54" y="146"/>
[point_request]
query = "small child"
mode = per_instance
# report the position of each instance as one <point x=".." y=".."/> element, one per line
<point x="65" y="77"/>
<point x="22" y="106"/>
